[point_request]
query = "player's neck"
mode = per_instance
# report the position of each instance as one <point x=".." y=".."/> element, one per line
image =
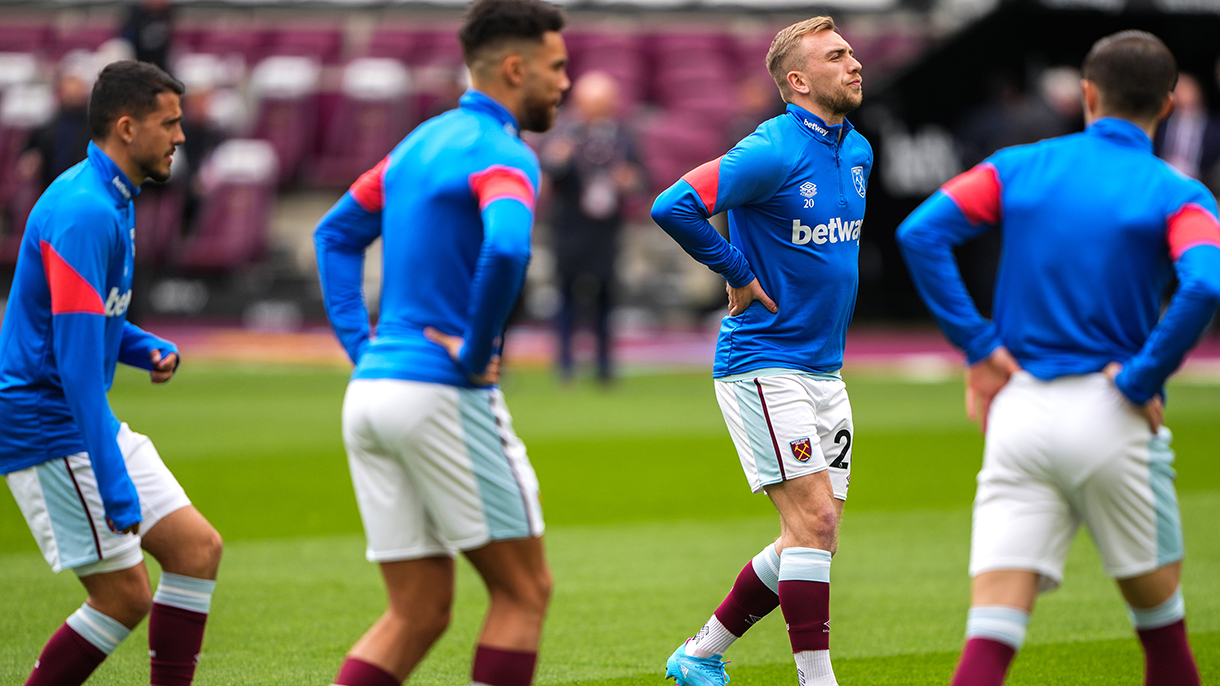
<point x="812" y="106"/>
<point x="510" y="98"/>
<point x="1149" y="126"/>
<point x="118" y="154"/>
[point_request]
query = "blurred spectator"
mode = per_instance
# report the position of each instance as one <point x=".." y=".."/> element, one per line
<point x="1190" y="138"/>
<point x="64" y="140"/>
<point x="592" y="162"/>
<point x="202" y="138"/>
<point x="147" y="28"/>
<point x="757" y="101"/>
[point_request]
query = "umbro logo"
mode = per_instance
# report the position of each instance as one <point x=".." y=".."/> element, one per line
<point x="753" y="619"/>
<point x="808" y="190"/>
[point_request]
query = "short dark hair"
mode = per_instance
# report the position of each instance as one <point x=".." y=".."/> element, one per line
<point x="127" y="87"/>
<point x="489" y="23"/>
<point x="1134" y="70"/>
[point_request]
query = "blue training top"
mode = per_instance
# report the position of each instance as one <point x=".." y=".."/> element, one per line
<point x="794" y="190"/>
<point x="1094" y="227"/>
<point x="65" y="327"/>
<point x="454" y="205"/>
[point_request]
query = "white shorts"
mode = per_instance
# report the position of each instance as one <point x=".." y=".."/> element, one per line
<point x="787" y="424"/>
<point x="63" y="507"/>
<point x="436" y="468"/>
<point x="1066" y="452"/>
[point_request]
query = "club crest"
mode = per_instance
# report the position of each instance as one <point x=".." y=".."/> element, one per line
<point x="857" y="177"/>
<point x="801" y="449"/>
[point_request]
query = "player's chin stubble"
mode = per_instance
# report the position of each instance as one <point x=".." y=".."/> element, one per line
<point x="841" y="101"/>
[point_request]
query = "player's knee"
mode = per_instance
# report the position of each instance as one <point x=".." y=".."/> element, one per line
<point x="202" y="557"/>
<point x="127" y="603"/>
<point x="530" y="594"/>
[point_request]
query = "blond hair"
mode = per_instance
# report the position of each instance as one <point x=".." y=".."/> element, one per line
<point x="783" y="55"/>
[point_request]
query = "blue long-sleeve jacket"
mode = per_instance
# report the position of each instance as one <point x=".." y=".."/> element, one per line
<point x="454" y="206"/>
<point x="65" y="327"/>
<point x="1094" y="227"/>
<point x="794" y="191"/>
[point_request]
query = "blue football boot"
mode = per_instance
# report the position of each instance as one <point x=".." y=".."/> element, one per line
<point x="686" y="670"/>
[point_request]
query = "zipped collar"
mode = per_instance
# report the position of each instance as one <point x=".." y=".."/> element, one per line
<point x="1122" y="132"/>
<point x="815" y="126"/>
<point x="117" y="182"/>
<point x="478" y="101"/>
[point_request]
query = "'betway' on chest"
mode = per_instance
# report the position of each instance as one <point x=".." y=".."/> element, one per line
<point x="833" y="231"/>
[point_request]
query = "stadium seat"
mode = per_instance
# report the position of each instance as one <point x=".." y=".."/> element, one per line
<point x="323" y="43"/>
<point x="286" y="90"/>
<point x="233" y="222"/>
<point x="158" y="223"/>
<point x="83" y="36"/>
<point x="372" y="114"/>
<point x="23" y="107"/>
<point x="24" y="36"/>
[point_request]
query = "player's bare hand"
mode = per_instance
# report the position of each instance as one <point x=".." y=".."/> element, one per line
<point x="133" y="529"/>
<point x="984" y="379"/>
<point x="1153" y="410"/>
<point x="163" y="367"/>
<point x="740" y="298"/>
<point x="453" y="344"/>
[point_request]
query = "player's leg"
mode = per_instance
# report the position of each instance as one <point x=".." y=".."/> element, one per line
<point x="1159" y="616"/>
<point x="382" y="422"/>
<point x="519" y="589"/>
<point x="63" y="508"/>
<point x="809" y="516"/>
<point x="1023" y="526"/>
<point x="565" y="323"/>
<point x="754" y="595"/>
<point x="1131" y="509"/>
<point x="420" y="599"/>
<point x="188" y="549"/>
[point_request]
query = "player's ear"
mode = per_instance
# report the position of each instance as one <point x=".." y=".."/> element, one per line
<point x="125" y="128"/>
<point x="1092" y="98"/>
<point x="513" y="69"/>
<point x="798" y="83"/>
<point x="1167" y="108"/>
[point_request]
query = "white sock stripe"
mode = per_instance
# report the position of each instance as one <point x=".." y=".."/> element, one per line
<point x="1168" y="612"/>
<point x="814" y="668"/>
<point x="998" y="623"/>
<point x="804" y="564"/>
<point x="184" y="592"/>
<point x="766" y="566"/>
<point x="103" y="632"/>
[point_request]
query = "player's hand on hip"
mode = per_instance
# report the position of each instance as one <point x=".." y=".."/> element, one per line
<point x="1153" y="410"/>
<point x="453" y="344"/>
<point x="163" y="367"/>
<point x="984" y="379"/>
<point x="740" y="298"/>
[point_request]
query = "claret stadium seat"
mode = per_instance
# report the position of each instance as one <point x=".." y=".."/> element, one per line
<point x="233" y="223"/>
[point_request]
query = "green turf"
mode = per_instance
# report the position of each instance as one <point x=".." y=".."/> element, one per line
<point x="649" y="521"/>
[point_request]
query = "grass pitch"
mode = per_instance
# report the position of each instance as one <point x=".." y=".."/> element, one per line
<point x="649" y="521"/>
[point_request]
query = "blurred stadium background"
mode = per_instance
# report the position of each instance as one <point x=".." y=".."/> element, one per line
<point x="648" y="516"/>
<point x="290" y="101"/>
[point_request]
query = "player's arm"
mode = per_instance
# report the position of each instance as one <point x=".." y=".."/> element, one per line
<point x="340" y="240"/>
<point x="506" y="198"/>
<point x="1194" y="243"/>
<point x="751" y="171"/>
<point x="965" y="207"/>
<point x="75" y="257"/>
<point x="141" y="349"/>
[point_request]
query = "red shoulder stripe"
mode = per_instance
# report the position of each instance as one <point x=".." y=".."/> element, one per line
<point x="705" y="179"/>
<point x="977" y="194"/>
<point x="70" y="292"/>
<point x="1190" y="226"/>
<point x="369" y="189"/>
<point x="498" y="182"/>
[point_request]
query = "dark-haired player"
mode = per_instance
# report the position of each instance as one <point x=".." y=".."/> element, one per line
<point x="435" y="463"/>
<point x="1068" y="380"/>
<point x="92" y="490"/>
